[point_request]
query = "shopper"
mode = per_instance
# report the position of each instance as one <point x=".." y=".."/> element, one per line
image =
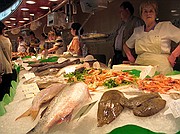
<point x="6" y="73"/>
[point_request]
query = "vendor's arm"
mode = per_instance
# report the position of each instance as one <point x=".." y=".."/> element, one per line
<point x="75" y="47"/>
<point x="53" y="49"/>
<point x="174" y="55"/>
<point x="128" y="53"/>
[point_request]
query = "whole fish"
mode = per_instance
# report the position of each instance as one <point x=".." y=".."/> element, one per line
<point x="136" y="101"/>
<point x="110" y="106"/>
<point x="42" y="97"/>
<point x="150" y="107"/>
<point x="62" y="106"/>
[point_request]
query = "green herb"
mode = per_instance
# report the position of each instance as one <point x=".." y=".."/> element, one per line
<point x="79" y="75"/>
<point x="110" y="83"/>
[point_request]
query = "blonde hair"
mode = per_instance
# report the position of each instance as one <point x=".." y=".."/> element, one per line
<point x="149" y="3"/>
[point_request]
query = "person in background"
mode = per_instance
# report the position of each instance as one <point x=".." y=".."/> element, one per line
<point x="75" y="46"/>
<point x="44" y="38"/>
<point x="34" y="43"/>
<point x="58" y="46"/>
<point x="152" y="41"/>
<point x="21" y="44"/>
<point x="6" y="71"/>
<point x="124" y="31"/>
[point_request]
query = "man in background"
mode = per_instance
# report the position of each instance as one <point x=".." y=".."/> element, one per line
<point x="124" y="31"/>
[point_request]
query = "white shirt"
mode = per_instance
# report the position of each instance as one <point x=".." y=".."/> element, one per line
<point x="21" y="47"/>
<point x="118" y="40"/>
<point x="165" y="30"/>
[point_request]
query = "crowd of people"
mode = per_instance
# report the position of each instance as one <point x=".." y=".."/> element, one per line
<point x="143" y="41"/>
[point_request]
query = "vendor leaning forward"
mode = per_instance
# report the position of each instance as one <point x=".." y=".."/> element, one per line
<point x="152" y="42"/>
<point x="6" y="72"/>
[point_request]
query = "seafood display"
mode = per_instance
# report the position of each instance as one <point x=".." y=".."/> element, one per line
<point x="42" y="97"/>
<point x="110" y="106"/>
<point x="101" y="77"/>
<point x="113" y="102"/>
<point x="159" y="83"/>
<point x="62" y="106"/>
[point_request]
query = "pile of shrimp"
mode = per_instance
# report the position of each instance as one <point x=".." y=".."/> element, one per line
<point x="159" y="83"/>
<point x="97" y="77"/>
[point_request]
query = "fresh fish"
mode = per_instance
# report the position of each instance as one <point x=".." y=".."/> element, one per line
<point x="110" y="107"/>
<point x="42" y="97"/>
<point x="150" y="107"/>
<point x="62" y="106"/>
<point x="136" y="101"/>
<point x="45" y="81"/>
<point x="72" y="68"/>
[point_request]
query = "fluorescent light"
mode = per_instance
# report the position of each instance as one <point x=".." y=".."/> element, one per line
<point x="43" y="7"/>
<point x="53" y="0"/>
<point x="12" y="18"/>
<point x="9" y="26"/>
<point x="31" y="14"/>
<point x="173" y="11"/>
<point x="7" y="22"/>
<point x="21" y="21"/>
<point x="25" y="18"/>
<point x="25" y="9"/>
<point x="30" y="2"/>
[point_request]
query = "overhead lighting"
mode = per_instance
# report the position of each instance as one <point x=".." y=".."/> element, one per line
<point x="53" y="0"/>
<point x="12" y="18"/>
<point x="25" y="9"/>
<point x="21" y="21"/>
<point x="7" y="22"/>
<point x="43" y="7"/>
<point x="30" y="2"/>
<point x="25" y="18"/>
<point x="173" y="11"/>
<point x="9" y="26"/>
<point x="31" y="14"/>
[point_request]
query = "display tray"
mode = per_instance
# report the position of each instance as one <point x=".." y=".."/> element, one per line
<point x="88" y="123"/>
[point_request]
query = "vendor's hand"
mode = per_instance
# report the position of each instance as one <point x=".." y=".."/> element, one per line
<point x="131" y="59"/>
<point x="172" y="60"/>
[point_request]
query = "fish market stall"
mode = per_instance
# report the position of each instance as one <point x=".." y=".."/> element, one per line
<point x="87" y="123"/>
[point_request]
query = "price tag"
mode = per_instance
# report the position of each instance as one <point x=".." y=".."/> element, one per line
<point x="30" y="90"/>
<point x="149" y="70"/>
<point x="84" y="110"/>
<point x="174" y="108"/>
<point x="29" y="76"/>
<point x="25" y="65"/>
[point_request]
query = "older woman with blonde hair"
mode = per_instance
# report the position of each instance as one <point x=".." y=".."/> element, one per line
<point x="152" y="42"/>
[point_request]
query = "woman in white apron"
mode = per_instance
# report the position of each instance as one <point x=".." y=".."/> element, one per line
<point x="152" y="42"/>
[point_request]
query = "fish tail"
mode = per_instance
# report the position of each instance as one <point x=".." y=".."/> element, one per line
<point x="34" y="114"/>
<point x="27" y="113"/>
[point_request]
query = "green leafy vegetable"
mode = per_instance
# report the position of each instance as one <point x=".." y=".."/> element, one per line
<point x="110" y="83"/>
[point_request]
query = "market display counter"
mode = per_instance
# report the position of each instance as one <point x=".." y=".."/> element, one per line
<point x="88" y="123"/>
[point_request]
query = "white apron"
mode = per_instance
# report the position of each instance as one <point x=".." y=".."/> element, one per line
<point x="148" y="49"/>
